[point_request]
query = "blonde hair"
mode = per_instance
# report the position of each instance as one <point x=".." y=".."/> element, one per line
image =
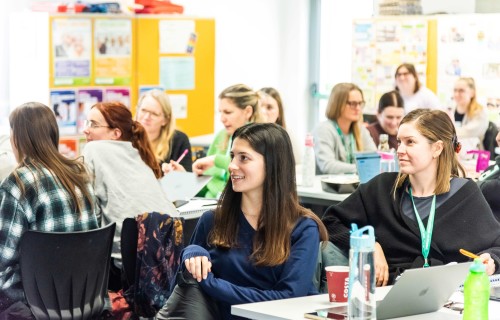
<point x="242" y="96"/>
<point x="473" y="107"/>
<point x="161" y="145"/>
<point x="338" y="102"/>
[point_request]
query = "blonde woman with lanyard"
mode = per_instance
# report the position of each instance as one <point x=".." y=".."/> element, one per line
<point x="336" y="139"/>
<point x="425" y="213"/>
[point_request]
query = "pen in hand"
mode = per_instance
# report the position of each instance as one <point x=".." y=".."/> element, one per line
<point x="182" y="156"/>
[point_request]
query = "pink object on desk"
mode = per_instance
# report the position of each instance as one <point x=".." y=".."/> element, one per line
<point x="483" y="158"/>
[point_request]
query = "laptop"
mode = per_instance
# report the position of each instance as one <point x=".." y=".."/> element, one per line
<point x="367" y="164"/>
<point x="181" y="186"/>
<point x="417" y="291"/>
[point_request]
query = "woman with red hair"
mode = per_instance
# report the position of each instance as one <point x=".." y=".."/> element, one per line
<point x="125" y="170"/>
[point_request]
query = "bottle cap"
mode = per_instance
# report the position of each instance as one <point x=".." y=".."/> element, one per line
<point x="309" y="140"/>
<point x="477" y="266"/>
<point x="361" y="240"/>
<point x="386" y="155"/>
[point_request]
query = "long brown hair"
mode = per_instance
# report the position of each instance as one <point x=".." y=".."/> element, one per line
<point x="411" y="69"/>
<point x="161" y="145"/>
<point x="280" y="206"/>
<point x="118" y="116"/>
<point x="337" y="102"/>
<point x="36" y="138"/>
<point x="436" y="125"/>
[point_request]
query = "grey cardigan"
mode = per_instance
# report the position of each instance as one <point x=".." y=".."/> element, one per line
<point x="330" y="153"/>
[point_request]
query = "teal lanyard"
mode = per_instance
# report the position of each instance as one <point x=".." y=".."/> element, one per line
<point x="425" y="234"/>
<point x="349" y="150"/>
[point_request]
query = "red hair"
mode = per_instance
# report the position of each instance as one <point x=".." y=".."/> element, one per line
<point x="118" y="116"/>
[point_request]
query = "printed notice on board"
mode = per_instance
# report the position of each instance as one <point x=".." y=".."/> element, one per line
<point x="179" y="105"/>
<point x="118" y="94"/>
<point x="112" y="51"/>
<point x="63" y="104"/>
<point x="177" y="73"/>
<point x="176" y="35"/>
<point x="71" y="50"/>
<point x="86" y="99"/>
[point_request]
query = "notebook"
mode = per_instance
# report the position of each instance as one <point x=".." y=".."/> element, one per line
<point x="180" y="186"/>
<point x="417" y="291"/>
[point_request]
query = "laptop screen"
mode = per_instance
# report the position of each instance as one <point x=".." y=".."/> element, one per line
<point x="368" y="165"/>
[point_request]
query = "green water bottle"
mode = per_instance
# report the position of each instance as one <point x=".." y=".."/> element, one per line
<point x="476" y="292"/>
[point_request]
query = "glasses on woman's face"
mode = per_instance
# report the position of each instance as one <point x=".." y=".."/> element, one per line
<point x="89" y="124"/>
<point x="152" y="114"/>
<point x="402" y="74"/>
<point x="355" y="104"/>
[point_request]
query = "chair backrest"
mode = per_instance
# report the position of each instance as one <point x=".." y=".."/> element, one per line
<point x="489" y="141"/>
<point x="150" y="263"/>
<point x="129" y="249"/>
<point x="65" y="274"/>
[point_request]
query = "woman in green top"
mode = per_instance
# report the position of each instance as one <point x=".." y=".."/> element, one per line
<point x="238" y="105"/>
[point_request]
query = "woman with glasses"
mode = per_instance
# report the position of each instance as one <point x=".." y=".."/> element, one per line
<point x="414" y="94"/>
<point x="427" y="212"/>
<point x="471" y="118"/>
<point x="338" y="138"/>
<point x="45" y="192"/>
<point x="154" y="112"/>
<point x="389" y="114"/>
<point x="238" y="105"/>
<point x="125" y="171"/>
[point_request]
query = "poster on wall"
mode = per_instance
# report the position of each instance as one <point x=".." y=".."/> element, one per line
<point x="86" y="99"/>
<point x="63" y="104"/>
<point x="177" y="36"/>
<point x="71" y="51"/>
<point x="379" y="46"/>
<point x="112" y="51"/>
<point x="469" y="46"/>
<point x="177" y="73"/>
<point x="121" y="95"/>
<point x="363" y="72"/>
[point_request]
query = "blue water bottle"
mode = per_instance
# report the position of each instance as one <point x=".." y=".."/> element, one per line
<point x="361" y="300"/>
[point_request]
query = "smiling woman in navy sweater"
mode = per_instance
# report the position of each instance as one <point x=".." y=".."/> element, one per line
<point x="259" y="244"/>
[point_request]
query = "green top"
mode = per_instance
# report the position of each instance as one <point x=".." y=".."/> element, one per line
<point x="220" y="170"/>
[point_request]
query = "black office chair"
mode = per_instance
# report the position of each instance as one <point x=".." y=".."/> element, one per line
<point x="65" y="274"/>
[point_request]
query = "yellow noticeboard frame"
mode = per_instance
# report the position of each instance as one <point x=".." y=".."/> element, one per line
<point x="145" y="60"/>
<point x="200" y="109"/>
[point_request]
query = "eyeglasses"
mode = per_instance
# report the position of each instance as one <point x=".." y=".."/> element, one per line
<point x="455" y="306"/>
<point x="92" y="125"/>
<point x="402" y="74"/>
<point x="152" y="114"/>
<point x="355" y="104"/>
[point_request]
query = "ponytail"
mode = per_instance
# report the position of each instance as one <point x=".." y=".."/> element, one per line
<point x="119" y="116"/>
<point x="141" y="142"/>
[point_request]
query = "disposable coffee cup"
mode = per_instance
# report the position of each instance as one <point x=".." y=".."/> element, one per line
<point x="337" y="278"/>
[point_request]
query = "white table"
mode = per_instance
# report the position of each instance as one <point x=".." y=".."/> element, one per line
<point x="316" y="195"/>
<point x="294" y="309"/>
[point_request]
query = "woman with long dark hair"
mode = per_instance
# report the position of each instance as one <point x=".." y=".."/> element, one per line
<point x="45" y="192"/>
<point x="259" y="244"/>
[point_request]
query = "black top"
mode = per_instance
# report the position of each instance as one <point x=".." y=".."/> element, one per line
<point x="459" y="117"/>
<point x="179" y="143"/>
<point x="464" y="220"/>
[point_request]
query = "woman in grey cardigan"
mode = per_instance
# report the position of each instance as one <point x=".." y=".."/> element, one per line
<point x="336" y="139"/>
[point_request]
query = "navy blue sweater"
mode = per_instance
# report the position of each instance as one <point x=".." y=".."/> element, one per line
<point x="235" y="279"/>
